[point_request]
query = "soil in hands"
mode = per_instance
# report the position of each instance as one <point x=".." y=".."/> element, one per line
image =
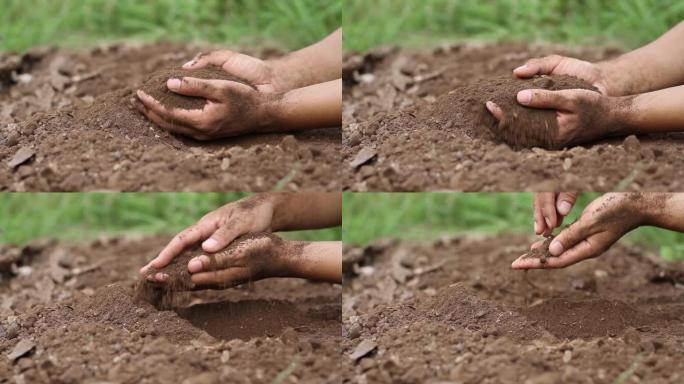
<point x="415" y="120"/>
<point x="521" y="127"/>
<point x="541" y="252"/>
<point x="155" y="86"/>
<point x="454" y="309"/>
<point x="78" y="307"/>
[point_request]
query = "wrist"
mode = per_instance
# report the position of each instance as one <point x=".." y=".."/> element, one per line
<point x="291" y="259"/>
<point x="284" y="74"/>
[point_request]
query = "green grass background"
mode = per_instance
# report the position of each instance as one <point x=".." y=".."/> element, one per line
<point x="427" y="216"/>
<point x="85" y="216"/>
<point x="288" y="24"/>
<point x="625" y="23"/>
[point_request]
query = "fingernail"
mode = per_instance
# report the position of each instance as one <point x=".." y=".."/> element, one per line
<point x="548" y="222"/>
<point x="490" y="106"/>
<point x="189" y="63"/>
<point x="556" y="248"/>
<point x="524" y="96"/>
<point x="161" y="276"/>
<point x="195" y="265"/>
<point x="564" y="208"/>
<point x="520" y="68"/>
<point x="173" y="83"/>
<point x="536" y="228"/>
<point x="139" y="93"/>
<point x="209" y="243"/>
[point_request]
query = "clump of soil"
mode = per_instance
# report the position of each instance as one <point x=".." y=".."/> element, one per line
<point x="163" y="295"/>
<point x="521" y="127"/>
<point x="542" y="252"/>
<point x="155" y="86"/>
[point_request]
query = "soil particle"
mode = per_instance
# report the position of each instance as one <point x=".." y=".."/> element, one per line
<point x="23" y="347"/>
<point x="542" y="252"/>
<point x="23" y="155"/>
<point x="155" y="86"/>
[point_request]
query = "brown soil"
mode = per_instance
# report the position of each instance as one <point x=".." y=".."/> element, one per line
<point x="402" y="131"/>
<point x="521" y="127"/>
<point x="155" y="86"/>
<point x="542" y="252"/>
<point x="76" y="303"/>
<point x="461" y="310"/>
<point x="70" y="125"/>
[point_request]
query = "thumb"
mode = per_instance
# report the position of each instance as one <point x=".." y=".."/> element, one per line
<point x="538" y="66"/>
<point x="541" y="98"/>
<point x="221" y="238"/>
<point x="568" y="238"/>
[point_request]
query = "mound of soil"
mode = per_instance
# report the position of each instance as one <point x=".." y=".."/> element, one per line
<point x="522" y="127"/>
<point x="404" y="131"/>
<point x="70" y="125"/>
<point x="155" y="86"/>
<point x="460" y="310"/>
<point x="75" y="306"/>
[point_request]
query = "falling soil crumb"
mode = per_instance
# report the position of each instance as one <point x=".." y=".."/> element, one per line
<point x="90" y="327"/>
<point x="155" y="86"/>
<point x="541" y="252"/>
<point x="456" y="322"/>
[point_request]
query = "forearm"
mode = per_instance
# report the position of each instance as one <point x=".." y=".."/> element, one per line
<point x="657" y="65"/>
<point x="664" y="210"/>
<point x="319" y="261"/>
<point x="314" y="64"/>
<point x="306" y="210"/>
<point x="315" y="106"/>
<point x="653" y="112"/>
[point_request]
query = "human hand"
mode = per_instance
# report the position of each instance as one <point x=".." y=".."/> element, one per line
<point x="232" y="109"/>
<point x="593" y="74"/>
<point x="582" y="115"/>
<point x="603" y="222"/>
<point x="550" y="209"/>
<point x="249" y="259"/>
<point x="266" y="75"/>
<point x="219" y="228"/>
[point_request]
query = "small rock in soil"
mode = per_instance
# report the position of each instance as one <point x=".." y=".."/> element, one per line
<point x="364" y="348"/>
<point x="23" y="347"/>
<point x="365" y="155"/>
<point x="632" y="144"/>
<point x="23" y="155"/>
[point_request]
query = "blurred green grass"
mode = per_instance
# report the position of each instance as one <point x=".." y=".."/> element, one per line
<point x="85" y="216"/>
<point x="288" y="24"/>
<point x="625" y="23"/>
<point x="427" y="216"/>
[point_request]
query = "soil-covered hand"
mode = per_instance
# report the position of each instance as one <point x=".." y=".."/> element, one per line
<point x="232" y="109"/>
<point x="253" y="259"/>
<point x="219" y="228"/>
<point x="560" y="65"/>
<point x="603" y="222"/>
<point x="582" y="115"/>
<point x="550" y="209"/>
<point x="266" y="76"/>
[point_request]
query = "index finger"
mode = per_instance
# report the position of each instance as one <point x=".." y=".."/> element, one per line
<point x="186" y="238"/>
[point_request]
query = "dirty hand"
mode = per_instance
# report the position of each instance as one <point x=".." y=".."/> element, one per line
<point x="252" y="260"/>
<point x="582" y="115"/>
<point x="602" y="223"/>
<point x="550" y="209"/>
<point x="263" y="74"/>
<point x="560" y="65"/>
<point x="232" y="109"/>
<point x="219" y="228"/>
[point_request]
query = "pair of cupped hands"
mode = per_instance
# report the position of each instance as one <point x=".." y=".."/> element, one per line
<point x="575" y="108"/>
<point x="219" y="117"/>
<point x="260" y="258"/>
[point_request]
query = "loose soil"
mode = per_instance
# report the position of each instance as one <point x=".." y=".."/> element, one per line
<point x="67" y="123"/>
<point x="76" y="305"/>
<point x="155" y="86"/>
<point x="453" y="311"/>
<point x="416" y="120"/>
<point x="542" y="252"/>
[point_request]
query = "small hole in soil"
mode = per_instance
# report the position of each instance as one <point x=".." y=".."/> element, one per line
<point x="247" y="319"/>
